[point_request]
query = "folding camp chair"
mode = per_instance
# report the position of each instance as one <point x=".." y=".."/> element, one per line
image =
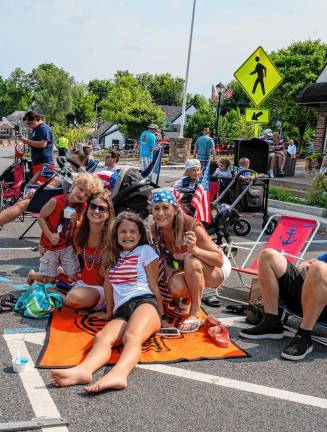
<point x="292" y="237"/>
<point x="11" y="191"/>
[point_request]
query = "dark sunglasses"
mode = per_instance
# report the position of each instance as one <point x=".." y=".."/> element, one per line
<point x="101" y="209"/>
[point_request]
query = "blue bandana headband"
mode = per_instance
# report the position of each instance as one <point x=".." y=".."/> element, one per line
<point x="163" y="195"/>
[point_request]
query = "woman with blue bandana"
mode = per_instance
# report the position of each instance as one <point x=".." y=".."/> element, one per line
<point x="191" y="259"/>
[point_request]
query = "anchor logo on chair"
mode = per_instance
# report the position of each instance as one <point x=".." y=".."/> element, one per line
<point x="288" y="240"/>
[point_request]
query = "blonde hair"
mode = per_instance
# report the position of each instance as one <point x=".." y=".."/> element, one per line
<point x="244" y="161"/>
<point x="90" y="182"/>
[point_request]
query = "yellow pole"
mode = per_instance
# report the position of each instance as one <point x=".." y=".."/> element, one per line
<point x="256" y="130"/>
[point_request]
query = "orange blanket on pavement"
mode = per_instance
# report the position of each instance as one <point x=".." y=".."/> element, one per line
<point x="70" y="337"/>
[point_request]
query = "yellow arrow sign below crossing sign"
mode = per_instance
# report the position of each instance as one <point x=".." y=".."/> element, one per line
<point x="258" y="76"/>
<point x="256" y="115"/>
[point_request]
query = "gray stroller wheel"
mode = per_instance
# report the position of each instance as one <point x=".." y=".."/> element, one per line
<point x="242" y="227"/>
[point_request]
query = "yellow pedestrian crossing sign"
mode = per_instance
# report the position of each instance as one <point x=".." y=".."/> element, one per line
<point x="256" y="115"/>
<point x="258" y="76"/>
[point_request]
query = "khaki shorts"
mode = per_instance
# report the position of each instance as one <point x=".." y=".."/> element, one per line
<point x="66" y="258"/>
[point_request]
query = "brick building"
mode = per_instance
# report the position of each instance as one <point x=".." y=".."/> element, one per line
<point x="316" y="95"/>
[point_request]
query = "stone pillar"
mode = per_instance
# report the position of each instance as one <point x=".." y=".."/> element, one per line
<point x="179" y="149"/>
<point x="321" y="128"/>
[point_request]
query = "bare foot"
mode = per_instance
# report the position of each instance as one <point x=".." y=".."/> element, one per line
<point x="71" y="376"/>
<point x="30" y="277"/>
<point x="109" y="381"/>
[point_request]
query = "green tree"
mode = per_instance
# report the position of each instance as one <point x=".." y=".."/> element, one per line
<point x="76" y="135"/>
<point x="100" y="88"/>
<point x="233" y="125"/>
<point x="164" y="88"/>
<point x="83" y="104"/>
<point x="204" y="116"/>
<point x="130" y="105"/>
<point x="52" y="91"/>
<point x="197" y="100"/>
<point x="300" y="64"/>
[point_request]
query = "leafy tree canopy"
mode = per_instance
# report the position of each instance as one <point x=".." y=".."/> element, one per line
<point x="164" y="88"/>
<point x="52" y="91"/>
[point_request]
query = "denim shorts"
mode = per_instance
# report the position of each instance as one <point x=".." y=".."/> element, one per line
<point x="125" y="311"/>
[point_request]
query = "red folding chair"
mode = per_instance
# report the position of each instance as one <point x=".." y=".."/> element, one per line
<point x="292" y="237"/>
<point x="10" y="192"/>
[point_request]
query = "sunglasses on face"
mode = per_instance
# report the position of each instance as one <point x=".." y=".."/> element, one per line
<point x="100" y="208"/>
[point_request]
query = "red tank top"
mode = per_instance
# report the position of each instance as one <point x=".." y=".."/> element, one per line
<point x="92" y="263"/>
<point x="57" y="218"/>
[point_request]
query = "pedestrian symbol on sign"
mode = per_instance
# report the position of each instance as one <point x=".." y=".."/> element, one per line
<point x="258" y="76"/>
<point x="261" y="72"/>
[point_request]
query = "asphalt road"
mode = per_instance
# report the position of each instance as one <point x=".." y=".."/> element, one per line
<point x="262" y="392"/>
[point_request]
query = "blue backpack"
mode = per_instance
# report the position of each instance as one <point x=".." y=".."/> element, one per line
<point x="37" y="302"/>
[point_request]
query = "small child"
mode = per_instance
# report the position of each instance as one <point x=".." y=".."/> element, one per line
<point x="243" y="164"/>
<point x="291" y="149"/>
<point x="224" y="169"/>
<point x="323" y="168"/>
<point x="134" y="306"/>
<point x="57" y="219"/>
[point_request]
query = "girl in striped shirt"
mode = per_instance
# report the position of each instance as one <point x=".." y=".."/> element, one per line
<point x="134" y="306"/>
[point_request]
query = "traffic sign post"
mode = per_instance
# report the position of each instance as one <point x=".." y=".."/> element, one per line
<point x="258" y="76"/>
<point x="257" y="115"/>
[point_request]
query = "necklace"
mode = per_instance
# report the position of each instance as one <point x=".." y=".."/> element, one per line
<point x="93" y="257"/>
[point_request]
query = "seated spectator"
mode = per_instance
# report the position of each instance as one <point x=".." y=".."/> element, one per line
<point x="303" y="290"/>
<point x="291" y="149"/>
<point x="111" y="172"/>
<point x="78" y="159"/>
<point x="267" y="136"/>
<point x="191" y="175"/>
<point x="224" y="169"/>
<point x="323" y="168"/>
<point x="279" y="153"/>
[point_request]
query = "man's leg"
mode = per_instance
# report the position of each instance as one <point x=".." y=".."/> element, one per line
<point x="271" y="266"/>
<point x="314" y="300"/>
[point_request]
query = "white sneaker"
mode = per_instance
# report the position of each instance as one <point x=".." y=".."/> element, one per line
<point x="271" y="174"/>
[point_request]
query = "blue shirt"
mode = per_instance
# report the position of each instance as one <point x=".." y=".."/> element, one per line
<point x="148" y="142"/>
<point x="203" y="147"/>
<point x="322" y="257"/>
<point x="42" y="155"/>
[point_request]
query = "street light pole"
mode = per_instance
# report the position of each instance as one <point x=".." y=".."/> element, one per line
<point x="219" y="88"/>
<point x="181" y="131"/>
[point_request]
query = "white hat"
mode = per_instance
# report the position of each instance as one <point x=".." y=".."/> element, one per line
<point x="192" y="163"/>
<point x="268" y="132"/>
<point x="153" y="126"/>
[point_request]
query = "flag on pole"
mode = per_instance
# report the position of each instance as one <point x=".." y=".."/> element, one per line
<point x="201" y="198"/>
<point x="214" y="95"/>
<point x="228" y="93"/>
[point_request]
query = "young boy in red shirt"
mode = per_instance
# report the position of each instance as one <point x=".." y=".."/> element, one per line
<point x="58" y="219"/>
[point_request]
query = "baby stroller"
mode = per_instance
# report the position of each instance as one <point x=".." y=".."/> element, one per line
<point x="133" y="188"/>
<point x="238" y="194"/>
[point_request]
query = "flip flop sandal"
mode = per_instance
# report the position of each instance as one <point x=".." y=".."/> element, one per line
<point x="236" y="309"/>
<point x="8" y="300"/>
<point x="211" y="300"/>
<point x="196" y="323"/>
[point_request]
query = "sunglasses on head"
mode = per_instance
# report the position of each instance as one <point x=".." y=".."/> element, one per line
<point x="100" y="208"/>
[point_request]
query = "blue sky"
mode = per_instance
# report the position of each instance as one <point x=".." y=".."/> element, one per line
<point x="93" y="39"/>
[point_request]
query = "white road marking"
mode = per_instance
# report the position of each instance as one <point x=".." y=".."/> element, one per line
<point x="238" y="385"/>
<point x="35" y="388"/>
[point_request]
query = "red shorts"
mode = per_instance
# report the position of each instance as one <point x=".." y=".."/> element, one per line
<point x="40" y="180"/>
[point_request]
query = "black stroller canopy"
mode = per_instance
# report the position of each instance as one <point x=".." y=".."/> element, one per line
<point x="254" y="149"/>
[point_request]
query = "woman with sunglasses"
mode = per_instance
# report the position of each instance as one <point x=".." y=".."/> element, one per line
<point x="91" y="238"/>
<point x="111" y="172"/>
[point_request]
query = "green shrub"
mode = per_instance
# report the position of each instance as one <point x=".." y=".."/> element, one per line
<point x="317" y="195"/>
<point x="282" y="194"/>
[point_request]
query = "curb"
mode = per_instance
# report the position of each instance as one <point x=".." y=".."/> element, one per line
<point x="319" y="212"/>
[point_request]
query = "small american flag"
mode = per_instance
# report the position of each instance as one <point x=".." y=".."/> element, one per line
<point x="214" y="95"/>
<point x="201" y="198"/>
<point x="228" y="93"/>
